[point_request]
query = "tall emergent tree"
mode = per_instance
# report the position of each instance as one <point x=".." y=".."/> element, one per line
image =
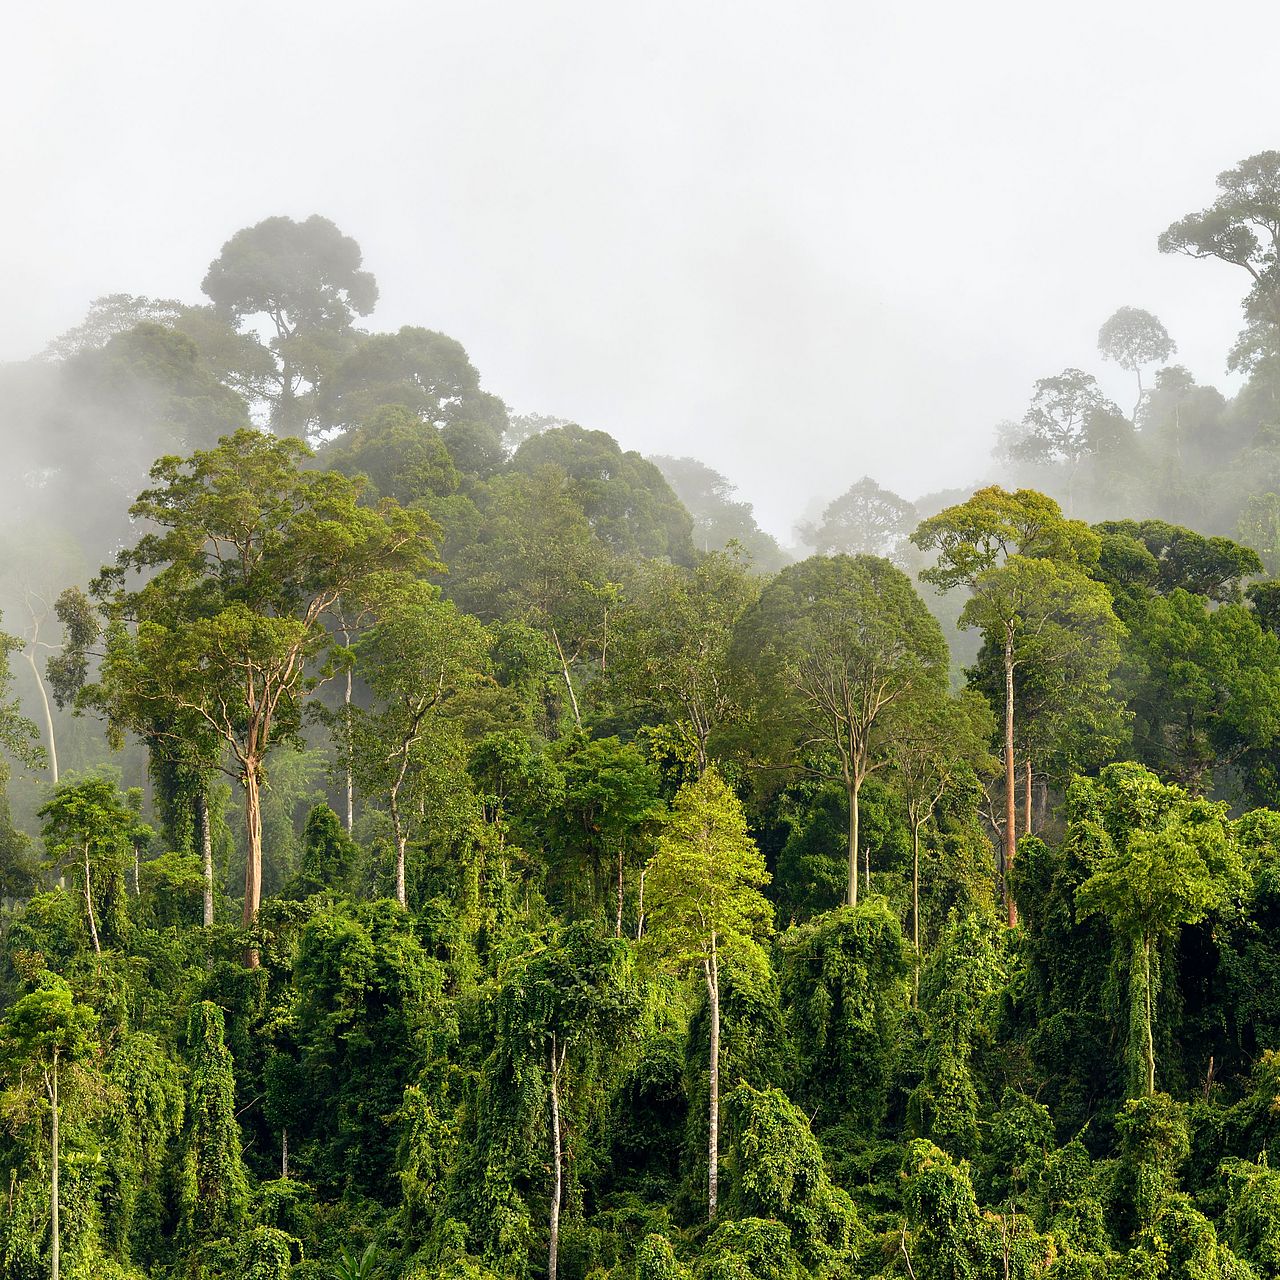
<point x="864" y="520"/>
<point x="250" y="554"/>
<point x="1134" y="338"/>
<point x="704" y="897"/>
<point x="1064" y="422"/>
<point x="305" y="279"/>
<point x="836" y="644"/>
<point x="1023" y="564"/>
<point x="1242" y="227"/>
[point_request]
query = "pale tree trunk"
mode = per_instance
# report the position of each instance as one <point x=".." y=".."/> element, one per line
<point x="137" y="892"/>
<point x="915" y="903"/>
<point x="853" y="785"/>
<point x="866" y="866"/>
<point x="402" y="841"/>
<point x="346" y="711"/>
<point x="617" y="929"/>
<point x="284" y="1153"/>
<point x="568" y="680"/>
<point x="55" y="1206"/>
<point x="88" y="904"/>
<point x="1149" y="1044"/>
<point x="1026" y="787"/>
<point x="1010" y="785"/>
<point x="48" y="716"/>
<point x="206" y="851"/>
<point x="557" y="1160"/>
<point x="644" y="871"/>
<point x="711" y="968"/>
<point x="253" y="861"/>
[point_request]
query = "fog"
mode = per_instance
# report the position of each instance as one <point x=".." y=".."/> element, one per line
<point x="800" y="242"/>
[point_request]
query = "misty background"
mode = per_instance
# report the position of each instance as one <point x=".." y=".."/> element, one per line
<point x="801" y="242"/>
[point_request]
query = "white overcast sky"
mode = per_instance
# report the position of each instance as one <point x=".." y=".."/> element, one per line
<point x="801" y="241"/>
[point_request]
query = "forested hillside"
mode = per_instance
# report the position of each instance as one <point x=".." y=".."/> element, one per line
<point x="442" y="843"/>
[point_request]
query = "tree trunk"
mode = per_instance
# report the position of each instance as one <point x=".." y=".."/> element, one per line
<point x="284" y="1153"/>
<point x="557" y="1167"/>
<point x="402" y="841"/>
<point x="88" y="904"/>
<point x="55" y="1225"/>
<point x="644" y="871"/>
<point x="1149" y="1044"/>
<point x="854" y="786"/>
<point x="351" y="786"/>
<point x="48" y="716"/>
<point x="866" y="867"/>
<point x="206" y="851"/>
<point x="568" y="680"/>
<point x="253" y="861"/>
<point x="712" y="969"/>
<point x="1026" y="828"/>
<point x="1011" y="803"/>
<point x="915" y="904"/>
<point x="617" y="929"/>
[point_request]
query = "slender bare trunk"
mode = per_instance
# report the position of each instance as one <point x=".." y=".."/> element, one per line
<point x="557" y="1158"/>
<point x="644" y="871"/>
<point x="866" y="867"/>
<point x="617" y="928"/>
<point x="55" y="1206"/>
<point x="1026" y="827"/>
<point x="1011" y="806"/>
<point x="351" y="786"/>
<point x="88" y="903"/>
<point x="48" y="716"/>
<point x="206" y="850"/>
<point x="402" y="841"/>
<point x="284" y="1153"/>
<point x="1149" y="1046"/>
<point x="854" y="786"/>
<point x="712" y="970"/>
<point x="915" y="903"/>
<point x="568" y="679"/>
<point x="253" y="859"/>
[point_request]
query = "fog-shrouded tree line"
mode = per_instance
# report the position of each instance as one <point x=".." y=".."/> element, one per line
<point x="438" y="842"/>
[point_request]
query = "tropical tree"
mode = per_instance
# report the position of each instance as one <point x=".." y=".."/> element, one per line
<point x="835" y="647"/>
<point x="941" y="740"/>
<point x="46" y="1031"/>
<point x="1063" y="423"/>
<point x="305" y="280"/>
<point x="1023" y="564"/>
<point x="419" y="658"/>
<point x="864" y="520"/>
<point x="1164" y="859"/>
<point x="674" y="646"/>
<point x="1134" y="338"/>
<point x="89" y="826"/>
<point x="1242" y="227"/>
<point x="250" y="555"/>
<point x="704" y="899"/>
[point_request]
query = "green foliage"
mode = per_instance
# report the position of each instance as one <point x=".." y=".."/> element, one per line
<point x="212" y="1188"/>
<point x="778" y="1173"/>
<point x="844" y="985"/>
